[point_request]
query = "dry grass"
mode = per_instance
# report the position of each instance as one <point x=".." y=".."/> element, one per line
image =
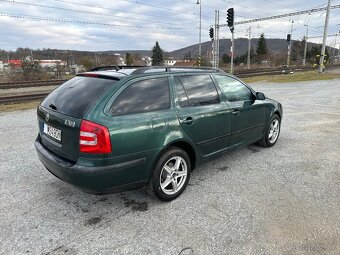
<point x="18" y="106"/>
<point x="298" y="76"/>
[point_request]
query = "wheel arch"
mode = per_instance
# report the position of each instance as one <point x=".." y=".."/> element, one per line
<point x="278" y="114"/>
<point x="184" y="145"/>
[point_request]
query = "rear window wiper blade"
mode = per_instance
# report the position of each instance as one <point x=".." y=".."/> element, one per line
<point x="52" y="106"/>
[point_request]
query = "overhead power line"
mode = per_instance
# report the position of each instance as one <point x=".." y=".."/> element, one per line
<point x="159" y="7"/>
<point x="87" y="12"/>
<point x="39" y="18"/>
<point x="283" y="15"/>
<point x="319" y="36"/>
<point x="118" y="10"/>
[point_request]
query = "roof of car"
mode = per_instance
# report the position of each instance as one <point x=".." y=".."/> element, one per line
<point x="119" y="72"/>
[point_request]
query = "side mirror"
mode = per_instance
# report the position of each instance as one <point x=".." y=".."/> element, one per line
<point x="260" y="96"/>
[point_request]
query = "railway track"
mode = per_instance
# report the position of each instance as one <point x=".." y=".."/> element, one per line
<point x="22" y="98"/>
<point x="30" y="84"/>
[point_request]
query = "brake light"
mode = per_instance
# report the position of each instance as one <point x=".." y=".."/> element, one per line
<point x="94" y="138"/>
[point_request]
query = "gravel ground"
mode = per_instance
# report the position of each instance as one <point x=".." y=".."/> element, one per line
<point x="281" y="200"/>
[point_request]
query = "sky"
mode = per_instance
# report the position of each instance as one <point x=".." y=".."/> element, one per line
<point x="138" y="24"/>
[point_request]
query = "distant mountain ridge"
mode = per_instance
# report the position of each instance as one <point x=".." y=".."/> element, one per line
<point x="241" y="47"/>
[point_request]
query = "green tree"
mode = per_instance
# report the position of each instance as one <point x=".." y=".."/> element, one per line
<point x="157" y="55"/>
<point x="226" y="58"/>
<point x="128" y="59"/>
<point x="261" y="48"/>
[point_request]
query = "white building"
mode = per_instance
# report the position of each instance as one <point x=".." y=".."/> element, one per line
<point x="172" y="62"/>
<point x="51" y="63"/>
<point x="1" y="66"/>
<point x="119" y="59"/>
<point x="147" y="61"/>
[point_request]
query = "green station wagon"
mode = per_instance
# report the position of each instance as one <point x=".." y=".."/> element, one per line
<point x="112" y="130"/>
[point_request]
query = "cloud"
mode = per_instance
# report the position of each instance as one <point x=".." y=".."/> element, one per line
<point x="127" y="24"/>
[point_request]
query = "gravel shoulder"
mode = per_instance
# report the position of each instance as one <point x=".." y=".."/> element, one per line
<point x="281" y="200"/>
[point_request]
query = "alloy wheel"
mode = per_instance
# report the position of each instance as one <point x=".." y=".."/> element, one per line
<point x="274" y="130"/>
<point x="173" y="175"/>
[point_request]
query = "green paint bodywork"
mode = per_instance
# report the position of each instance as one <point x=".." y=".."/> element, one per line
<point x="139" y="139"/>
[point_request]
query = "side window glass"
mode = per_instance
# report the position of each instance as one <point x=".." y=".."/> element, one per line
<point x="143" y="96"/>
<point x="183" y="100"/>
<point x="233" y="89"/>
<point x="200" y="89"/>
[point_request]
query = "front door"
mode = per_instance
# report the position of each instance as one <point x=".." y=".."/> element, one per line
<point x="201" y="113"/>
<point x="247" y="113"/>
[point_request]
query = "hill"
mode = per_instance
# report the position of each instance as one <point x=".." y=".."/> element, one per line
<point x="241" y="47"/>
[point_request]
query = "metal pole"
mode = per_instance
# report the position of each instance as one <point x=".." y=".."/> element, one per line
<point x="249" y="42"/>
<point x="323" y="49"/>
<point x="200" y="33"/>
<point x="305" y="50"/>
<point x="290" y="45"/>
<point x="232" y="52"/>
<point x="217" y="40"/>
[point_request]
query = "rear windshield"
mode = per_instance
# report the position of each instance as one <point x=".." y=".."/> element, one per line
<point x="77" y="95"/>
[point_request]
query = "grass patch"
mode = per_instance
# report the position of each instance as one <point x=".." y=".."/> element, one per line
<point x="19" y="106"/>
<point x="297" y="76"/>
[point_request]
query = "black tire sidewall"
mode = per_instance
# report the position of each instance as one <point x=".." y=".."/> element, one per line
<point x="157" y="190"/>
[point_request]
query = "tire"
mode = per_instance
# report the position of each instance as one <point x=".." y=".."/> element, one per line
<point x="272" y="132"/>
<point x="168" y="181"/>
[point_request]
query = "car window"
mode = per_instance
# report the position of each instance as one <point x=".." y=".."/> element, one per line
<point x="183" y="100"/>
<point x="200" y="89"/>
<point x="233" y="89"/>
<point x="143" y="96"/>
<point x="77" y="95"/>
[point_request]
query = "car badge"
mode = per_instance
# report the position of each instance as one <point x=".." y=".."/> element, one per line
<point x="47" y="117"/>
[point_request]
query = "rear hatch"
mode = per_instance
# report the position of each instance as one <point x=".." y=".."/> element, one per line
<point x="61" y="112"/>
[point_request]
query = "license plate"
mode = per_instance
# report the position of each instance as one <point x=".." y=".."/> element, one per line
<point x="52" y="132"/>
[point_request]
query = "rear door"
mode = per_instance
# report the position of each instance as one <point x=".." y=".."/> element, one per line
<point x="61" y="112"/>
<point x="139" y="113"/>
<point x="201" y="114"/>
<point x="247" y="113"/>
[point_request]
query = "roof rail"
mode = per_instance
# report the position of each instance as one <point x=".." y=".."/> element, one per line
<point x="113" y="67"/>
<point x="156" y="69"/>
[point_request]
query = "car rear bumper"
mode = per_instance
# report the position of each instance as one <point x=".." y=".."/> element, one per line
<point x="95" y="179"/>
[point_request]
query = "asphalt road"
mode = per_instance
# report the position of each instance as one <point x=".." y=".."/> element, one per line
<point x="281" y="200"/>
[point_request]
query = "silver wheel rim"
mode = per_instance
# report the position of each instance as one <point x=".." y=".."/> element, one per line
<point x="274" y="131"/>
<point x="173" y="175"/>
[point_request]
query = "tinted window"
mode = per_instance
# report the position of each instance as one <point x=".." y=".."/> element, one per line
<point x="182" y="97"/>
<point x="200" y="89"/>
<point x="143" y="96"/>
<point x="77" y="95"/>
<point x="233" y="89"/>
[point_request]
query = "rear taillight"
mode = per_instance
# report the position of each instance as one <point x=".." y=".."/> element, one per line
<point x="94" y="138"/>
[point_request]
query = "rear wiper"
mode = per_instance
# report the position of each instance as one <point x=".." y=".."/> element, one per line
<point x="52" y="106"/>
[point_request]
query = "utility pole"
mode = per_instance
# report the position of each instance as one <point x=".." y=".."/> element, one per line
<point x="216" y="44"/>
<point x="230" y="23"/>
<point x="249" y="42"/>
<point x="305" y="50"/>
<point x="290" y="45"/>
<point x="323" y="49"/>
<point x="200" y="34"/>
<point x="232" y="53"/>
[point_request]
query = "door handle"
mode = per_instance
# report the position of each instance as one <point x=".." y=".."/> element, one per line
<point x="235" y="112"/>
<point x="187" y="121"/>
